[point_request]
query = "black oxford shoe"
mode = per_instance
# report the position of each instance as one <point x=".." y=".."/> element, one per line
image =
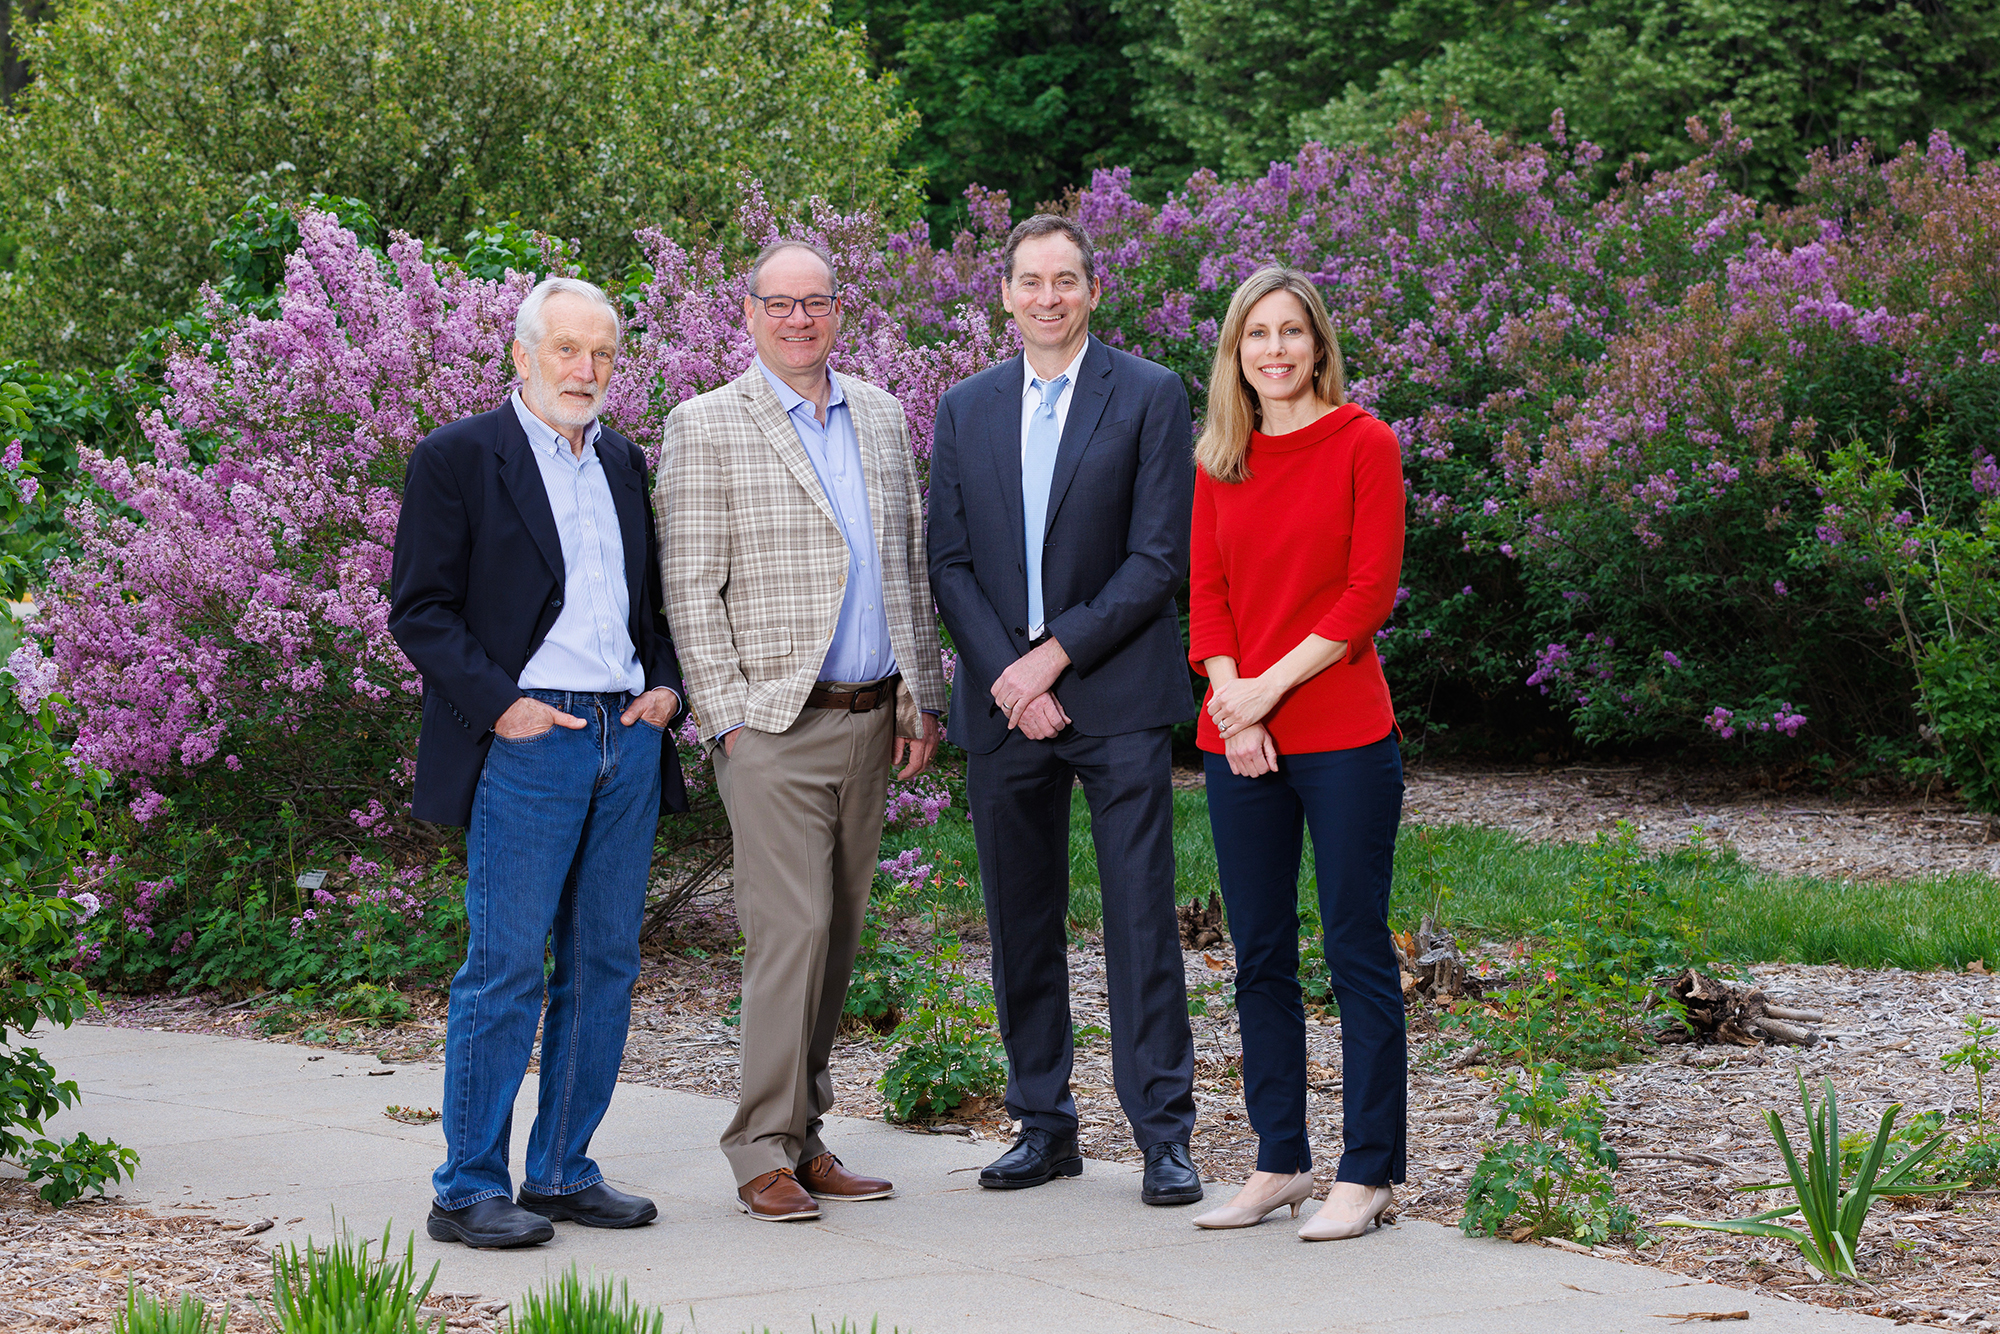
<point x="1170" y="1176"/>
<point x="593" y="1206"/>
<point x="497" y="1224"/>
<point x="1036" y="1156"/>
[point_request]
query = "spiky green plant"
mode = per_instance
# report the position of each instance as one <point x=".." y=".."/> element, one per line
<point x="1831" y="1208"/>
<point x="571" y="1306"/>
<point x="339" y="1288"/>
<point x="147" y="1314"/>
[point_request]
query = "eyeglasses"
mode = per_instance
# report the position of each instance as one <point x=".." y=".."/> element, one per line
<point x="817" y="307"/>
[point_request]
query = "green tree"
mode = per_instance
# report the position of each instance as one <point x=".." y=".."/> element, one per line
<point x="149" y="122"/>
<point x="1026" y="96"/>
<point x="1245" y="84"/>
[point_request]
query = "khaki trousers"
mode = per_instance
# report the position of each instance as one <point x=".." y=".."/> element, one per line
<point x="805" y="806"/>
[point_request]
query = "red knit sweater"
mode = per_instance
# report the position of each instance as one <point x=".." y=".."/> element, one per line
<point x="1311" y="543"/>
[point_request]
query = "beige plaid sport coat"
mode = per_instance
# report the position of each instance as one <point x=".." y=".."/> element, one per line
<point x="754" y="566"/>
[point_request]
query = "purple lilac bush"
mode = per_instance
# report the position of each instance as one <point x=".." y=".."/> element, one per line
<point x="1612" y="411"/>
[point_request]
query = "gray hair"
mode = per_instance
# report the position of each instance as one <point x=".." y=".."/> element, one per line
<point x="777" y="248"/>
<point x="530" y="327"/>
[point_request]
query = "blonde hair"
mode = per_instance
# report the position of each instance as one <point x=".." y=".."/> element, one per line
<point x="1233" y="412"/>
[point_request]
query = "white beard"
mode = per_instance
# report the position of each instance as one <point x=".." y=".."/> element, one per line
<point x="548" y="402"/>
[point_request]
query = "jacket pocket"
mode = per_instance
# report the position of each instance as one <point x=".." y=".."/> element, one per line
<point x="759" y="645"/>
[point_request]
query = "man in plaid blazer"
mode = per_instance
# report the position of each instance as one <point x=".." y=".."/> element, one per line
<point x="792" y="551"/>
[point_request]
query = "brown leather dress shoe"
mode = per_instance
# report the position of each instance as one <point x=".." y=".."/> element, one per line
<point x="775" y="1197"/>
<point x="826" y="1178"/>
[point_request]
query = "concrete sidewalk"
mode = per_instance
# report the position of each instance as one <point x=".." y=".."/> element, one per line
<point x="265" y="1130"/>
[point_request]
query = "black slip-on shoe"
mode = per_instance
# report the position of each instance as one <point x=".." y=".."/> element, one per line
<point x="1037" y="1156"/>
<point x="497" y="1224"/>
<point x="1170" y="1176"/>
<point x="593" y="1206"/>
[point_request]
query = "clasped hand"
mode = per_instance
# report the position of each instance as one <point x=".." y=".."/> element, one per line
<point x="1023" y="692"/>
<point x="1238" y="707"/>
<point x="528" y="717"/>
<point x="1237" y="704"/>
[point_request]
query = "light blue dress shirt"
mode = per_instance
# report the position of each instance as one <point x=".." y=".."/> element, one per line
<point x="590" y="645"/>
<point x="860" y="650"/>
<point x="1044" y="476"/>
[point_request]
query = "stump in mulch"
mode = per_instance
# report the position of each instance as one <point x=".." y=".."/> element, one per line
<point x="1432" y="966"/>
<point x="1723" y="1012"/>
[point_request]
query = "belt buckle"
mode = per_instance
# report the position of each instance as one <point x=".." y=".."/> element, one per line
<point x="874" y="694"/>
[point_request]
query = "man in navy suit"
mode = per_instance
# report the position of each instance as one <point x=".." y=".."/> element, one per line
<point x="1062" y="484"/>
<point x="526" y="589"/>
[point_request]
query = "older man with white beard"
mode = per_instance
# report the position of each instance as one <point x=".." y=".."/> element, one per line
<point x="526" y="589"/>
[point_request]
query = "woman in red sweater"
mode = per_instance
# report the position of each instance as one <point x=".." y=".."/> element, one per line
<point x="1298" y="543"/>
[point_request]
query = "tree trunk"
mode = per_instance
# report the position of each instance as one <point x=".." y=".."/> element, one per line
<point x="16" y="15"/>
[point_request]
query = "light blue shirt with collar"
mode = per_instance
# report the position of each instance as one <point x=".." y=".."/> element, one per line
<point x="590" y="645"/>
<point x="1031" y="399"/>
<point x="860" y="650"/>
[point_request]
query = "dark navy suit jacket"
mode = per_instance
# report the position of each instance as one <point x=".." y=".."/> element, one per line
<point x="1114" y="553"/>
<point x="477" y="583"/>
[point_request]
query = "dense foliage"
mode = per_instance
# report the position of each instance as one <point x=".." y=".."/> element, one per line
<point x="1622" y="421"/>
<point x="149" y="122"/>
<point x="1028" y="96"/>
<point x="1242" y="85"/>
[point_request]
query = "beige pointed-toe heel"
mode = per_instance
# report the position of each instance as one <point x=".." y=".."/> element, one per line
<point x="1340" y="1222"/>
<point x="1294" y="1192"/>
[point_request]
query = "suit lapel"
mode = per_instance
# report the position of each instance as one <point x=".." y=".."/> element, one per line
<point x="628" y="498"/>
<point x="1086" y="409"/>
<point x="522" y="477"/>
<point x="1003" y="436"/>
<point x="769" y="415"/>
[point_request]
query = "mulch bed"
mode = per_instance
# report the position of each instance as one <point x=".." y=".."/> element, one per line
<point x="1932" y="1261"/>
<point x="67" y="1269"/>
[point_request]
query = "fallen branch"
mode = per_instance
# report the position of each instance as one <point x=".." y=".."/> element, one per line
<point x="248" y="1000"/>
<point x="1689" y="1317"/>
<point x="1699" y="1159"/>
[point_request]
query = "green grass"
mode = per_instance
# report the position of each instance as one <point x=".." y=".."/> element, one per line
<point x="1500" y="887"/>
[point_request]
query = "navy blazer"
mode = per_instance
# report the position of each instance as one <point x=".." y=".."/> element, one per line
<point x="1114" y="553"/>
<point x="477" y="583"/>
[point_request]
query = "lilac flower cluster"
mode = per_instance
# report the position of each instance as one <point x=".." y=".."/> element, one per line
<point x="1726" y="723"/>
<point x="906" y="868"/>
<point x="379" y="900"/>
<point x="916" y="804"/>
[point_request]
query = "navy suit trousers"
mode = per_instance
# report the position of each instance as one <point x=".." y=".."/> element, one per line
<point x="1019" y="795"/>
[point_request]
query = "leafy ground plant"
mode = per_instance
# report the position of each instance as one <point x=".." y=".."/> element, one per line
<point x="37" y="984"/>
<point x="1832" y="1204"/>
<point x="147" y="1314"/>
<point x="569" y="1305"/>
<point x="340" y="1288"/>
<point x="1557" y="1181"/>
<point x="1975" y="1055"/>
<point x="1592" y="983"/>
<point x="949" y="1050"/>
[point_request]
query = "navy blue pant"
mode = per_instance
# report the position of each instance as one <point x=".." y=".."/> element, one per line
<point x="1019" y="796"/>
<point x="1353" y="800"/>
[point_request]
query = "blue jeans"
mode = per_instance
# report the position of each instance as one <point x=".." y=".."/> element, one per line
<point x="557" y="855"/>
<point x="1353" y="799"/>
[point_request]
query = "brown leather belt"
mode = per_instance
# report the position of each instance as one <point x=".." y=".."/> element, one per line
<point x="865" y="700"/>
